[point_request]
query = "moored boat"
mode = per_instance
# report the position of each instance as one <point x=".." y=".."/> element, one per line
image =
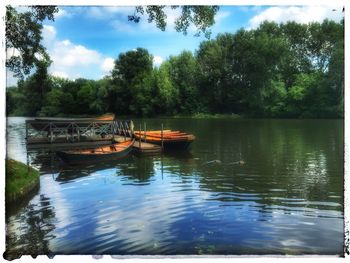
<point x="104" y="117"/>
<point x="45" y="123"/>
<point x="101" y="153"/>
<point x="170" y="139"/>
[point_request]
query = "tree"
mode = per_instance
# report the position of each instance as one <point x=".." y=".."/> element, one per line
<point x="215" y="60"/>
<point x="23" y="36"/>
<point x="35" y="88"/>
<point x="183" y="71"/>
<point x="202" y="17"/>
<point x="165" y="93"/>
<point x="131" y="82"/>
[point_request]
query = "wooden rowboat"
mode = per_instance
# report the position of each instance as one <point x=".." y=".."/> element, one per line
<point x="171" y="139"/>
<point x="102" y="153"/>
<point x="104" y="117"/>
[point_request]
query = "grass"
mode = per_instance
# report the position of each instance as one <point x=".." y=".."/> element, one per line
<point x="20" y="179"/>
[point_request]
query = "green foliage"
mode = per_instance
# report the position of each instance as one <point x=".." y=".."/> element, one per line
<point x="132" y="83"/>
<point x="23" y="36"/>
<point x="276" y="70"/>
<point x="183" y="73"/>
<point x="165" y="93"/>
<point x="202" y="17"/>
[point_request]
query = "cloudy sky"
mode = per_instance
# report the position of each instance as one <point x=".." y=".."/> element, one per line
<point x="83" y="41"/>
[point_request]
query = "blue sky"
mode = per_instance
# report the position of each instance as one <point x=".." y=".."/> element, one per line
<point x="83" y="41"/>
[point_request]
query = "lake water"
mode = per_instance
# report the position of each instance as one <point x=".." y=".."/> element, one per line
<point x="287" y="197"/>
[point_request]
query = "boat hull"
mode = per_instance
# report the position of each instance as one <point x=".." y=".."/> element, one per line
<point x="72" y="157"/>
<point x="171" y="139"/>
<point x="173" y="145"/>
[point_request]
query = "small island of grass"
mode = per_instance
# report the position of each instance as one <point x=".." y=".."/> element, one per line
<point x="20" y="180"/>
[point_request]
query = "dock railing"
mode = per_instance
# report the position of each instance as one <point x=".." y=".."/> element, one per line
<point x="75" y="130"/>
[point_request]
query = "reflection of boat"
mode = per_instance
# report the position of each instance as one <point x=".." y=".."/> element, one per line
<point x="171" y="139"/>
<point x="101" y="153"/>
<point x="68" y="172"/>
<point x="47" y="123"/>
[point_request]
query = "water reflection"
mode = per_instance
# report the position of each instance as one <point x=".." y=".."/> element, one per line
<point x="286" y="197"/>
<point x="30" y="232"/>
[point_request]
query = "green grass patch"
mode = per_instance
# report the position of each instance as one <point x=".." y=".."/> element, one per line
<point x="20" y="179"/>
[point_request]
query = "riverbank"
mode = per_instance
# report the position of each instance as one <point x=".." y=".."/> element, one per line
<point x="20" y="180"/>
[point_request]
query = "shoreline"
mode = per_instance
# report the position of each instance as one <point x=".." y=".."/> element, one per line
<point x="21" y="180"/>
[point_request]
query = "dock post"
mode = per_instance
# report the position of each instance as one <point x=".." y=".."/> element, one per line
<point x="140" y="137"/>
<point x="113" y="130"/>
<point x="131" y="129"/>
<point x="162" y="138"/>
<point x="78" y="133"/>
<point x="26" y="130"/>
<point x="125" y="126"/>
<point x="144" y="125"/>
<point x="72" y="133"/>
<point x="51" y="133"/>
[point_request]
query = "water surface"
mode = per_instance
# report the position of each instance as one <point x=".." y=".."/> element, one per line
<point x="287" y="197"/>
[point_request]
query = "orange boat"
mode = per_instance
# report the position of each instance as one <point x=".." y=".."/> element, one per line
<point x="171" y="139"/>
<point x="102" y="153"/>
<point x="104" y="117"/>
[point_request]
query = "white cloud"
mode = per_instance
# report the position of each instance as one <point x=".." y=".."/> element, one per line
<point x="49" y="35"/>
<point x="108" y="12"/>
<point x="221" y="15"/>
<point x="300" y="14"/>
<point x="71" y="60"/>
<point x="157" y="60"/>
<point x="121" y="23"/>
<point x="60" y="74"/>
<point x="107" y="65"/>
<point x="62" y="13"/>
<point x="66" y="54"/>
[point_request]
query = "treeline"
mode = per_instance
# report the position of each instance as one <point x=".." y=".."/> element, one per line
<point x="277" y="70"/>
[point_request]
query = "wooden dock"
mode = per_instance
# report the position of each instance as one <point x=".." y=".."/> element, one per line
<point x="77" y="133"/>
<point x="61" y="143"/>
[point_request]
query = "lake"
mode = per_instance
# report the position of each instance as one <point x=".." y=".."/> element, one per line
<point x="285" y="198"/>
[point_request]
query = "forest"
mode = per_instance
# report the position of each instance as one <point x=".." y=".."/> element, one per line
<point x="285" y="70"/>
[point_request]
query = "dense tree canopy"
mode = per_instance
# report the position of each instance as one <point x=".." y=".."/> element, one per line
<point x="277" y="70"/>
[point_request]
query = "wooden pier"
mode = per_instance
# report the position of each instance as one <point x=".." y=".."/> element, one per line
<point x="56" y="133"/>
<point x="75" y="134"/>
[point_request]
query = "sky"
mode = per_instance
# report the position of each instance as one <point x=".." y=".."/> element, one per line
<point x="84" y="41"/>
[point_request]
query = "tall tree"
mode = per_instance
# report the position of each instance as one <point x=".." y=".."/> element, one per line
<point x="23" y="37"/>
<point x="131" y="80"/>
<point x="183" y="71"/>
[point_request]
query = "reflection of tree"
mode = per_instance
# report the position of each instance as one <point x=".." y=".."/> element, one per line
<point x="71" y="172"/>
<point x="284" y="159"/>
<point x="45" y="161"/>
<point x="32" y="236"/>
